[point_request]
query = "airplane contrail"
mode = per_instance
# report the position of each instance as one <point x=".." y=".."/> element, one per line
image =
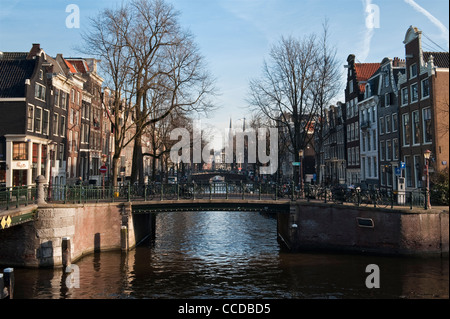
<point x="433" y="20"/>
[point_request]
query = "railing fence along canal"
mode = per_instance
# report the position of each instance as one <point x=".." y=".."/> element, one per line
<point x="13" y="197"/>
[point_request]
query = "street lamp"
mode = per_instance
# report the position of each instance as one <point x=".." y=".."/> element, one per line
<point x="426" y="155"/>
<point x="300" y="155"/>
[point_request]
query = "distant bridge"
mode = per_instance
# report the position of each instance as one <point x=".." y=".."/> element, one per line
<point x="228" y="177"/>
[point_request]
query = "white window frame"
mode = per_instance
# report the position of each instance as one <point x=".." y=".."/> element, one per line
<point x="423" y="97"/>
<point x="412" y="92"/>
<point x="405" y="93"/>
<point x="30" y="118"/>
<point x="39" y="131"/>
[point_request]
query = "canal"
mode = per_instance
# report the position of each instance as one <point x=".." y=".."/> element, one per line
<point x="232" y="255"/>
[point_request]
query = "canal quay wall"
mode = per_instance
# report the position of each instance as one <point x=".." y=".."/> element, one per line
<point x="342" y="228"/>
<point x="88" y="228"/>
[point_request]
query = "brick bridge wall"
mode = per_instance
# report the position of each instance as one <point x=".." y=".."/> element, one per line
<point x="336" y="228"/>
<point x="91" y="227"/>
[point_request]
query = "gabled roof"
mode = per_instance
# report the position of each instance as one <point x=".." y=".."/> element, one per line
<point x="440" y="58"/>
<point x="364" y="71"/>
<point x="13" y="55"/>
<point x="77" y="64"/>
<point x="13" y="74"/>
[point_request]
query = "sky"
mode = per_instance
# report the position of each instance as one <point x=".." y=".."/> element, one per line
<point x="235" y="36"/>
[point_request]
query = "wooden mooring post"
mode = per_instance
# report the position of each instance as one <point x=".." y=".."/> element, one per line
<point x="7" y="284"/>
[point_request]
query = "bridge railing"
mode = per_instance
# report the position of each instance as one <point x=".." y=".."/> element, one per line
<point x="13" y="197"/>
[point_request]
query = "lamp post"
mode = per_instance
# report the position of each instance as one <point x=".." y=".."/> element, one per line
<point x="426" y="155"/>
<point x="300" y="155"/>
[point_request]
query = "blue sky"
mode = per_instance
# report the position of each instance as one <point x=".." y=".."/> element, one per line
<point x="235" y="35"/>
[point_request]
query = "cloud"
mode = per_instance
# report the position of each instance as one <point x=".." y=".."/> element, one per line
<point x="434" y="20"/>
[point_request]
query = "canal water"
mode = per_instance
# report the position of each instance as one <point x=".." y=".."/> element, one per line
<point x="217" y="255"/>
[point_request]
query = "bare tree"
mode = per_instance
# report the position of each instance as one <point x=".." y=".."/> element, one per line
<point x="103" y="40"/>
<point x="283" y="92"/>
<point x="297" y="85"/>
<point x="325" y="88"/>
<point x="152" y="64"/>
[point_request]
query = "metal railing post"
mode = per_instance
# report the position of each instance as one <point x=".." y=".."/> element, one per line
<point x="226" y="190"/>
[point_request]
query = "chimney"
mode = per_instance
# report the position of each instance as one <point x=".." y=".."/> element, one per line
<point x="35" y="50"/>
<point x="398" y="62"/>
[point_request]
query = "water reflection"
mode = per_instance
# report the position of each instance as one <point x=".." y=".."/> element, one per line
<point x="232" y="255"/>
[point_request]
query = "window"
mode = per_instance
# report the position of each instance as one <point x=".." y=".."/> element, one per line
<point x="64" y="100"/>
<point x="395" y="149"/>
<point x="363" y="142"/>
<point x="374" y="114"/>
<point x="387" y="99"/>
<point x="41" y="75"/>
<point x="404" y="96"/>
<point x="425" y="88"/>
<point x="69" y="167"/>
<point x="413" y="71"/>
<point x="356" y="129"/>
<point x="72" y="95"/>
<point x="30" y="117"/>
<point x="427" y="133"/>
<point x="20" y="151"/>
<point x="61" y="154"/>
<point x="382" y="177"/>
<point x="45" y="120"/>
<point x="76" y="142"/>
<point x="369" y="166"/>
<point x="374" y="136"/>
<point x="78" y="98"/>
<point x="388" y="150"/>
<point x="357" y="155"/>
<point x="382" y="150"/>
<point x="408" y="171"/>
<point x="350" y="87"/>
<point x="368" y="141"/>
<point x="414" y="92"/>
<point x="38" y="120"/>
<point x="417" y="172"/>
<point x="70" y="141"/>
<point x="39" y="92"/>
<point x="415" y="127"/>
<point x="381" y="126"/>
<point x="394" y="122"/>
<point x="388" y="123"/>
<point x="406" y="130"/>
<point x="62" y="127"/>
<point x="55" y="124"/>
<point x="375" y="165"/>
<point x="57" y="97"/>
<point x="386" y="77"/>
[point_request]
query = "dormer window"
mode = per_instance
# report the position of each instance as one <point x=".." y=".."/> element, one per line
<point x="368" y="91"/>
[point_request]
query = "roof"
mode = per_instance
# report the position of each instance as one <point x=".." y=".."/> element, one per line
<point x="77" y="65"/>
<point x="440" y="58"/>
<point x="13" y="55"/>
<point x="13" y="74"/>
<point x="364" y="71"/>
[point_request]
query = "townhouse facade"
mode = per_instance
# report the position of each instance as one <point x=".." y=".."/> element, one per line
<point x="357" y="77"/>
<point x="26" y="105"/>
<point x="388" y="122"/>
<point x="423" y="110"/>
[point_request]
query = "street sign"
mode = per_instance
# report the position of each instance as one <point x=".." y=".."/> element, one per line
<point x="402" y="165"/>
<point x="296" y="164"/>
<point x="103" y="169"/>
<point x="398" y="171"/>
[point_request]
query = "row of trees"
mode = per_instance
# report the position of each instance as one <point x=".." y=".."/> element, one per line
<point x="298" y="83"/>
<point x="155" y="73"/>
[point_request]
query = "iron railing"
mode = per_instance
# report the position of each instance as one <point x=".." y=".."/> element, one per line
<point x="14" y="197"/>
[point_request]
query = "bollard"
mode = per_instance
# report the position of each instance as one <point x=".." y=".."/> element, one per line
<point x="8" y="278"/>
<point x="66" y="252"/>
<point x="124" y="238"/>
